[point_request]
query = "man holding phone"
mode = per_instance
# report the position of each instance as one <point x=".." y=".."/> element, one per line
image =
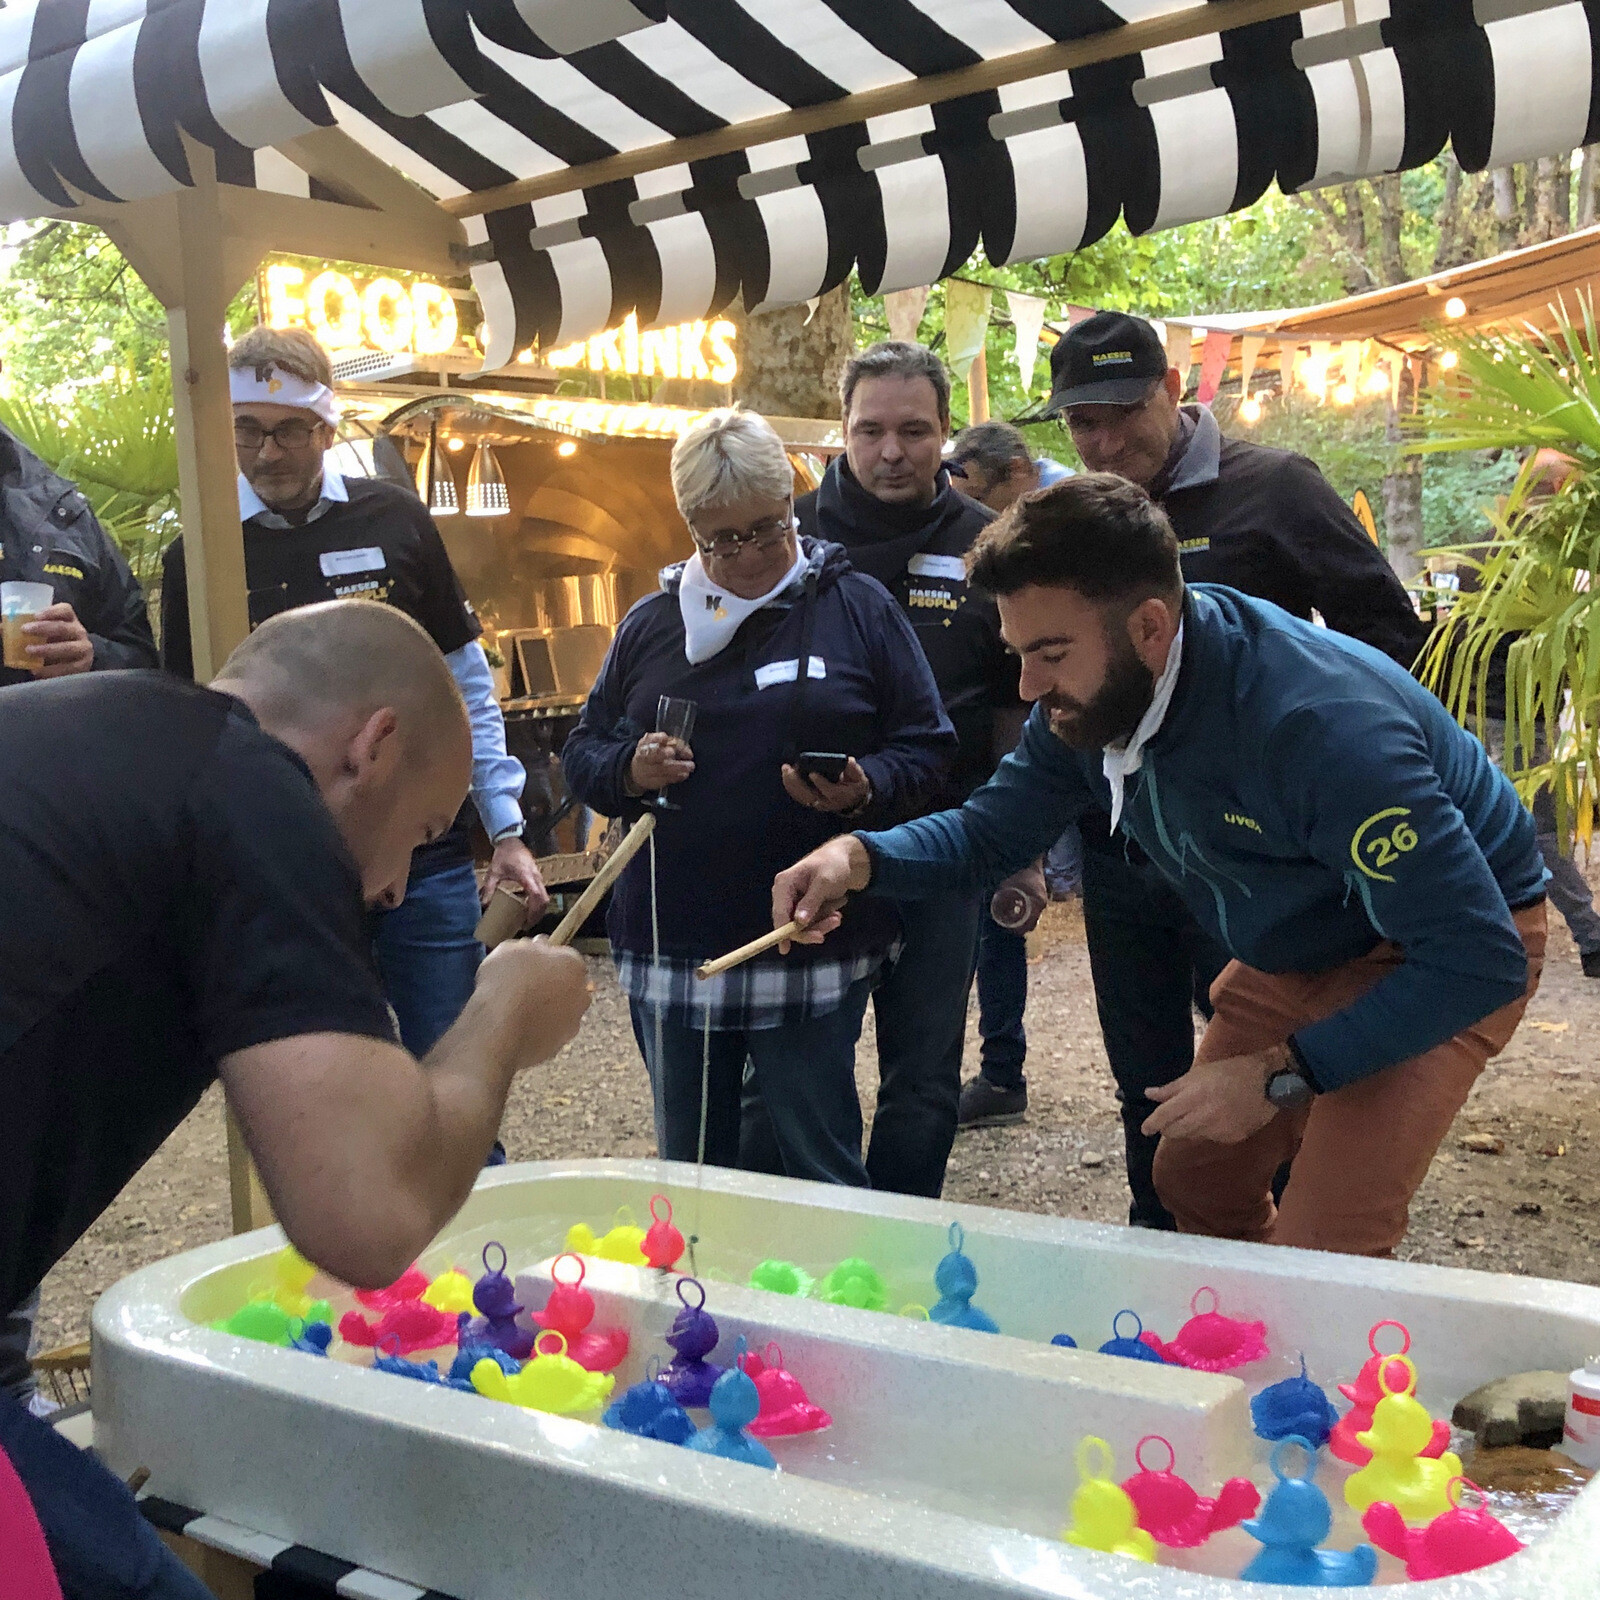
<point x="890" y="502"/>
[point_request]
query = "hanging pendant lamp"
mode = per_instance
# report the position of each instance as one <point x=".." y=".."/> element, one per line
<point x="435" y="483"/>
<point x="487" y="494"/>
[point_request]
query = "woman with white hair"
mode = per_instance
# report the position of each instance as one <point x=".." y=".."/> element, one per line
<point x="729" y="629"/>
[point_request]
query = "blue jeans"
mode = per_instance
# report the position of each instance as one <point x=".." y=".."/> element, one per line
<point x="804" y="1073"/>
<point x="921" y="1010"/>
<point x="1002" y="999"/>
<point x="102" y="1547"/>
<point x="427" y="955"/>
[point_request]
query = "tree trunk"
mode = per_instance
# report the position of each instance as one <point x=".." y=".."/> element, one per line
<point x="1448" y="216"/>
<point x="789" y="366"/>
<point x="1505" y="207"/>
<point x="1586" y="183"/>
<point x="1555" y="197"/>
<point x="1358" y="271"/>
<point x="1391" y="212"/>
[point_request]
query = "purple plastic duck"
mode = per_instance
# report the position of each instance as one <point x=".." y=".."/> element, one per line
<point x="496" y="1297"/>
<point x="689" y="1377"/>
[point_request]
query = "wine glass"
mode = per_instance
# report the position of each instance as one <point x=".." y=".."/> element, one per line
<point x="675" y="718"/>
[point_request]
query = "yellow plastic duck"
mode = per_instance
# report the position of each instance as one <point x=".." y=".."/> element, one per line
<point x="552" y="1381"/>
<point x="624" y="1243"/>
<point x="291" y="1277"/>
<point x="1401" y="1428"/>
<point x="451" y="1291"/>
<point x="1103" y="1515"/>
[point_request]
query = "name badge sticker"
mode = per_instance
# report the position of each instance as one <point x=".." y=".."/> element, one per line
<point x="926" y="566"/>
<point x="339" y="563"/>
<point x="787" y="671"/>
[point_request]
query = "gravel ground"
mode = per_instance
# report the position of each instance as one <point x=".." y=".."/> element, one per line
<point x="1520" y="1209"/>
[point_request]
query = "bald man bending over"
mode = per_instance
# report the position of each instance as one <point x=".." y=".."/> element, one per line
<point x="185" y="876"/>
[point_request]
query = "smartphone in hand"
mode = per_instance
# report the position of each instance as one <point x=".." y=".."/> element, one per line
<point x="828" y="764"/>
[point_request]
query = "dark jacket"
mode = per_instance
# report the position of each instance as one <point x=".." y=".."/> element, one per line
<point x="1307" y="798"/>
<point x="716" y="858"/>
<point x="50" y="535"/>
<point x="918" y="554"/>
<point x="1267" y="523"/>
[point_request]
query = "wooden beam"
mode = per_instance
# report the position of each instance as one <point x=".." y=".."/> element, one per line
<point x="287" y="223"/>
<point x="1191" y="23"/>
<point x="333" y="158"/>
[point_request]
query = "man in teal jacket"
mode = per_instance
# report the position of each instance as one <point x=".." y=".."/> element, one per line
<point x="1374" y="876"/>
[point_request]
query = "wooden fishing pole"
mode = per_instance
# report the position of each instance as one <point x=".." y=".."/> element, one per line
<point x="584" y="905"/>
<point x="756" y="947"/>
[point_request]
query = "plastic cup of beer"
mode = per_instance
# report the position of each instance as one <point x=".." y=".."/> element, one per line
<point x="20" y="604"/>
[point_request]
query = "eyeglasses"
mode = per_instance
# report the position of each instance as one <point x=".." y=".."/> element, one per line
<point x="291" y="435"/>
<point x="726" y="544"/>
<point x="1093" y="418"/>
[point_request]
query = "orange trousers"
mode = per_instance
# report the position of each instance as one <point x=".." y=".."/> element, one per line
<point x="1359" y="1153"/>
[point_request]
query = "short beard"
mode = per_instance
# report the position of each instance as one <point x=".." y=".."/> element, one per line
<point x="1114" y="711"/>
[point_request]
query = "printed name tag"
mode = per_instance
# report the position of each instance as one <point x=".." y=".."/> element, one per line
<point x="925" y="566"/>
<point x="788" y="671"/>
<point x="336" y="563"/>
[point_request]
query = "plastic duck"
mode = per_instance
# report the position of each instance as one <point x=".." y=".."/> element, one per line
<point x="1418" y="1486"/>
<point x="663" y="1244"/>
<point x="387" y="1358"/>
<point x="496" y="1297"/>
<point x="854" y="1282"/>
<point x="291" y="1278"/>
<point x="313" y="1338"/>
<point x="552" y="1381"/>
<point x="570" y="1310"/>
<point x="956" y="1279"/>
<point x="1138" y="1348"/>
<point x="1066" y="1341"/>
<point x="689" y="1377"/>
<point x="451" y="1292"/>
<point x="1461" y="1540"/>
<point x="412" y="1284"/>
<point x="1364" y="1394"/>
<point x="1297" y="1407"/>
<point x="1295" y="1519"/>
<point x="786" y="1408"/>
<point x="1211" y="1342"/>
<point x="734" y="1405"/>
<point x="649" y="1411"/>
<point x="262" y="1319"/>
<point x="1170" y="1510"/>
<point x="1103" y="1517"/>
<point x="781" y="1277"/>
<point x="414" y="1325"/>
<point x="460" y="1375"/>
<point x="624" y="1243"/>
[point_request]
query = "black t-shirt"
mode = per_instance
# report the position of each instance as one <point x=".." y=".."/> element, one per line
<point x="382" y="545"/>
<point x="175" y="890"/>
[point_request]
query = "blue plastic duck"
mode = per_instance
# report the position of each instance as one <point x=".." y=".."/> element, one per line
<point x="1066" y="1341"/>
<point x="735" y="1403"/>
<point x="649" y="1411"/>
<point x="460" y="1374"/>
<point x="495" y="1296"/>
<point x="1292" y="1523"/>
<point x="313" y="1338"/>
<point x="1295" y="1408"/>
<point x="1135" y="1349"/>
<point x="956" y="1279"/>
<point x="689" y="1377"/>
<point x="397" y="1366"/>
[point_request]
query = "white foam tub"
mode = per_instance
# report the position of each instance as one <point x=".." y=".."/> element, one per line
<point x="948" y="1471"/>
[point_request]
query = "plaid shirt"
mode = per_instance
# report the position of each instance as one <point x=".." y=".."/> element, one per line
<point x="766" y="992"/>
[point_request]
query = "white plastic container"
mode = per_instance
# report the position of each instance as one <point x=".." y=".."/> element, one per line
<point x="1580" y="1437"/>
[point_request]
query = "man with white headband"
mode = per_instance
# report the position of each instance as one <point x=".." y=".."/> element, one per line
<point x="311" y="534"/>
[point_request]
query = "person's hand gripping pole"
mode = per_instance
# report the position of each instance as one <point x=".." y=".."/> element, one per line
<point x="813" y="891"/>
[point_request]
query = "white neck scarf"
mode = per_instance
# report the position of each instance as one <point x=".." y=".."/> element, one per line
<point x="711" y="616"/>
<point x="1122" y="761"/>
<point x="280" y="388"/>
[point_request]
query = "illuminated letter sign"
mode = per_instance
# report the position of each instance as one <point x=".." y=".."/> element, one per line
<point x="691" y="350"/>
<point x="383" y="314"/>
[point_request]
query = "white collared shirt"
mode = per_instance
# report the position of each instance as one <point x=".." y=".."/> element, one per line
<point x="1122" y="761"/>
<point x="331" y="492"/>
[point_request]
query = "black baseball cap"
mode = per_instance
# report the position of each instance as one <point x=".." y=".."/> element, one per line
<point x="1107" y="359"/>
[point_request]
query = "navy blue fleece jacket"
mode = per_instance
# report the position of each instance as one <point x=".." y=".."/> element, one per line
<point x="870" y="695"/>
<point x="1307" y="798"/>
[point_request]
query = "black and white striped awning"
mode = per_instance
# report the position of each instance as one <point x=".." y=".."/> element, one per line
<point x="469" y="97"/>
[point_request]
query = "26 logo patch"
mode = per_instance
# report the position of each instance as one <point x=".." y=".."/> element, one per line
<point x="1381" y="840"/>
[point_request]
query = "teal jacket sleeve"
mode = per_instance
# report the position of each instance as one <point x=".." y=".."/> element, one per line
<point x="1034" y="795"/>
<point x="1379" y="816"/>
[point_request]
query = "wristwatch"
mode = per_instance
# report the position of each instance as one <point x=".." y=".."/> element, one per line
<point x="1289" y="1089"/>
